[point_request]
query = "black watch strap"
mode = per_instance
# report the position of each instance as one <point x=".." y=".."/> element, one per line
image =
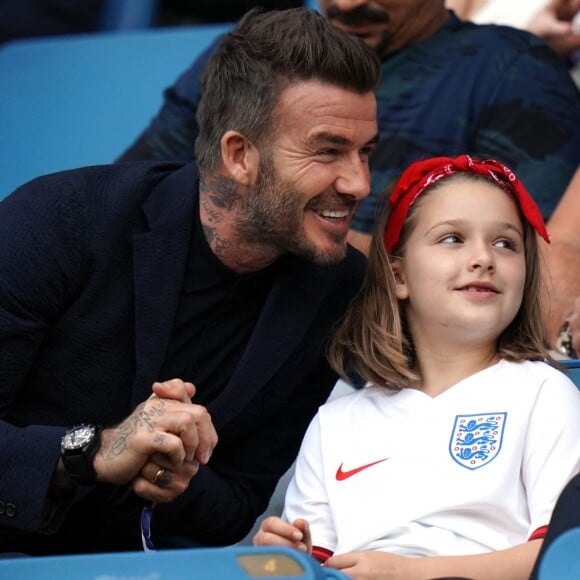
<point x="78" y="462"/>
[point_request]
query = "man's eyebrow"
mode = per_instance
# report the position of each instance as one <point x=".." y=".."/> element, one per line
<point x="339" y="139"/>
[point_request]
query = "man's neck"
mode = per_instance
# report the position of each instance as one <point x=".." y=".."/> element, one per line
<point x="219" y="212"/>
<point x="425" y="25"/>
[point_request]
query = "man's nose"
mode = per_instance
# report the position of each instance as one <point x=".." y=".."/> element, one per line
<point x="354" y="178"/>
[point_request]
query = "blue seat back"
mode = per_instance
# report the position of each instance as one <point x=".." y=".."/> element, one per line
<point x="206" y="563"/>
<point x="70" y="101"/>
<point x="562" y="559"/>
<point x="573" y="371"/>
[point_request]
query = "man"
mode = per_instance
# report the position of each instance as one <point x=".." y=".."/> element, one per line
<point x="447" y="87"/>
<point x="561" y="290"/>
<point x="227" y="274"/>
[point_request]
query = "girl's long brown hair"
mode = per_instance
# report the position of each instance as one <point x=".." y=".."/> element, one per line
<point x="373" y="341"/>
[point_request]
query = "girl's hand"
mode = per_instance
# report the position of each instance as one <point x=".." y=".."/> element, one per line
<point x="274" y="531"/>
<point x="373" y="565"/>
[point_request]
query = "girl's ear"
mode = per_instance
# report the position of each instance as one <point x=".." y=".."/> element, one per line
<point x="240" y="157"/>
<point x="401" y="288"/>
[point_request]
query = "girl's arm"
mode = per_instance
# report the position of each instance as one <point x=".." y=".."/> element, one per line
<point x="510" y="564"/>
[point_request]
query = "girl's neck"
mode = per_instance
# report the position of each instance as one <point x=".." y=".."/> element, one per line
<point x="440" y="369"/>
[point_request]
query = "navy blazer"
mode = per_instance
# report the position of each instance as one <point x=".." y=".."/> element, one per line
<point x="91" y="270"/>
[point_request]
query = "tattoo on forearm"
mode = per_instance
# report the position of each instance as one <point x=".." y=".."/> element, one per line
<point x="141" y="417"/>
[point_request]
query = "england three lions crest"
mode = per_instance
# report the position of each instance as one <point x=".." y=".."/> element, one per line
<point x="476" y="439"/>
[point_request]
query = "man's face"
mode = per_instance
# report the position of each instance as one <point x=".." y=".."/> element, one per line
<point x="385" y="25"/>
<point x="313" y="172"/>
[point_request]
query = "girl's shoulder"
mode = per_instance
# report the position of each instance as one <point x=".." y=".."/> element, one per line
<point x="539" y="373"/>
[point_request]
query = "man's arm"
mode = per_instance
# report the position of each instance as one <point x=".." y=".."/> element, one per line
<point x="226" y="497"/>
<point x="561" y="260"/>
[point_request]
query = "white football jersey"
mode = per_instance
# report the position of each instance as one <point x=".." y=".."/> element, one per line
<point x="475" y="469"/>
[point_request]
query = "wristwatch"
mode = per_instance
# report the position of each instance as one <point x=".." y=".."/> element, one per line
<point x="78" y="448"/>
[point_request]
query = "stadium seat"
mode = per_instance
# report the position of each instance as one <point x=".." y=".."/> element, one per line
<point x="69" y="101"/>
<point x="206" y="563"/>
<point x="562" y="559"/>
<point x="573" y="371"/>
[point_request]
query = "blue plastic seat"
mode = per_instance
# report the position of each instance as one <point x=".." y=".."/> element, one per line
<point x="69" y="101"/>
<point x="562" y="559"/>
<point x="207" y="563"/>
<point x="573" y="371"/>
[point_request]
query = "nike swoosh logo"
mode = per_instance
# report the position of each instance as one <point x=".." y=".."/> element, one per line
<point x="342" y="475"/>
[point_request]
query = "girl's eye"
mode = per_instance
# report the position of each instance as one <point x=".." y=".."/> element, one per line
<point x="450" y="239"/>
<point x="507" y="244"/>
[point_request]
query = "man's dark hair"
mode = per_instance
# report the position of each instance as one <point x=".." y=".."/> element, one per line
<point x="265" y="54"/>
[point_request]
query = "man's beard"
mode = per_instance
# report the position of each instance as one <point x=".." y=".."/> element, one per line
<point x="361" y="16"/>
<point x="273" y="215"/>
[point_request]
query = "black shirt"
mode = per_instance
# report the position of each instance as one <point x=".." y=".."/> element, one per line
<point x="216" y="315"/>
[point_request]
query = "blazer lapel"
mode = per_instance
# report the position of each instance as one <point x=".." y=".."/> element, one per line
<point x="160" y="258"/>
<point x="287" y="315"/>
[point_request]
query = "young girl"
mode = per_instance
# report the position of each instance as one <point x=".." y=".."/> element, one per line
<point x="450" y="460"/>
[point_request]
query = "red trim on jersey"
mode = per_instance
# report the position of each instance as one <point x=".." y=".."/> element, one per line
<point x="539" y="534"/>
<point x="321" y="554"/>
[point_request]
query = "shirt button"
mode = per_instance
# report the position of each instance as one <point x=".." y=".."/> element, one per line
<point x="10" y="510"/>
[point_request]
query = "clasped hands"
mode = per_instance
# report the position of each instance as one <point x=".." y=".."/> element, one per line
<point x="160" y="446"/>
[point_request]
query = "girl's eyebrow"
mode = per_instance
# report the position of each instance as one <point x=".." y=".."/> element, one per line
<point x="503" y="225"/>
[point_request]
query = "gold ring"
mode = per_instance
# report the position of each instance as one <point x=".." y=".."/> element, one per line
<point x="160" y="473"/>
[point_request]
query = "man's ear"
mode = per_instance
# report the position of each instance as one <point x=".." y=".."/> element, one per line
<point x="401" y="288"/>
<point x="240" y="157"/>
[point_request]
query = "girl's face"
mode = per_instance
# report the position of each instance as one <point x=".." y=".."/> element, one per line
<point x="463" y="268"/>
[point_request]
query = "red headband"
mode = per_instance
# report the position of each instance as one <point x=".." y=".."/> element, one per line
<point x="420" y="175"/>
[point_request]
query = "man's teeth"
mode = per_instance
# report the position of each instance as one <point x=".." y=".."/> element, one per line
<point x="327" y="213"/>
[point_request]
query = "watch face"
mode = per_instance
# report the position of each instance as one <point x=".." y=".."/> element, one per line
<point x="78" y="437"/>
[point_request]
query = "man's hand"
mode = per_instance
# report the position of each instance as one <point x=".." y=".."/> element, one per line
<point x="162" y="433"/>
<point x="553" y="24"/>
<point x="274" y="531"/>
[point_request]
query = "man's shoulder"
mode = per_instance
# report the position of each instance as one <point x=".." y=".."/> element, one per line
<point x="492" y="35"/>
<point x="121" y="175"/>
<point x="94" y="185"/>
<point x="467" y="41"/>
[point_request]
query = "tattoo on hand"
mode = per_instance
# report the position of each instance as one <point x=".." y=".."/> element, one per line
<point x="141" y="417"/>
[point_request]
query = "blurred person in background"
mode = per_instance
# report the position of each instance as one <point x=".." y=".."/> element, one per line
<point x="447" y="87"/>
<point x="556" y="21"/>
